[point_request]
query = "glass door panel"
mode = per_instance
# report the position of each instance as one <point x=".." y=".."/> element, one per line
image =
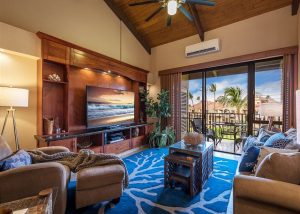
<point x="192" y="103"/>
<point x="268" y="93"/>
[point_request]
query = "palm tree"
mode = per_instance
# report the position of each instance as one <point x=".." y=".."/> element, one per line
<point x="191" y="98"/>
<point x="233" y="97"/>
<point x="213" y="88"/>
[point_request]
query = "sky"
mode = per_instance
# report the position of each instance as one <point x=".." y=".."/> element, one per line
<point x="266" y="83"/>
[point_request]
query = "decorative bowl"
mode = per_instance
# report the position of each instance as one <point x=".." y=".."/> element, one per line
<point x="193" y="138"/>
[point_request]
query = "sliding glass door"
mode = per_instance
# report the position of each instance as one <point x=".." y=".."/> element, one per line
<point x="230" y="102"/>
<point x="227" y="107"/>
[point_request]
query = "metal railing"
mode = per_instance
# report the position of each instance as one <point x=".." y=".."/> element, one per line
<point x="233" y="118"/>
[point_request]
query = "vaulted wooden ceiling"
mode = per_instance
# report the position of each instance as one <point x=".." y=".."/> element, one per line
<point x="155" y="32"/>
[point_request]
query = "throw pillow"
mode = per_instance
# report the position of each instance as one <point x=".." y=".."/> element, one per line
<point x="281" y="144"/>
<point x="249" y="159"/>
<point x="263" y="135"/>
<point x="292" y="135"/>
<point x="273" y="139"/>
<point x="265" y="151"/>
<point x="251" y="141"/>
<point x="281" y="167"/>
<point x="20" y="158"/>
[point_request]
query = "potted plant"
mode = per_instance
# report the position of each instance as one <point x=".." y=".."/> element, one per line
<point x="159" y="109"/>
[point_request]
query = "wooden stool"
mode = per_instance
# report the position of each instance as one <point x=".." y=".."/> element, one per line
<point x="183" y="169"/>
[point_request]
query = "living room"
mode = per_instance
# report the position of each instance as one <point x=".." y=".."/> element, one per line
<point x="81" y="80"/>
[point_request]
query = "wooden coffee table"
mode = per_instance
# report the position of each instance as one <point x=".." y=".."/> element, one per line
<point x="189" y="165"/>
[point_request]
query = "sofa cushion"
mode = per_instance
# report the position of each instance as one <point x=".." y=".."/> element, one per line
<point x="274" y="138"/>
<point x="20" y="158"/>
<point x="281" y="167"/>
<point x="265" y="151"/>
<point x="249" y="159"/>
<point x="5" y="150"/>
<point x="99" y="176"/>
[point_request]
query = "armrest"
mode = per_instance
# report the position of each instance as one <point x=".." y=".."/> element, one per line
<point x="30" y="180"/>
<point x="268" y="191"/>
<point x="53" y="149"/>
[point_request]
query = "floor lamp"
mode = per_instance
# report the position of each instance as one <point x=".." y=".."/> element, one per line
<point x="13" y="97"/>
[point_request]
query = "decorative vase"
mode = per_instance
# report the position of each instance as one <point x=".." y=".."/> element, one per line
<point x="48" y="124"/>
<point x="193" y="138"/>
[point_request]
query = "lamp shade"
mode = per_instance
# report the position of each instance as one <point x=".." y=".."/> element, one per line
<point x="13" y="97"/>
<point x="271" y="109"/>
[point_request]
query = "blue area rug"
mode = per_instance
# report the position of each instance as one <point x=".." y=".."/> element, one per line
<point x="146" y="193"/>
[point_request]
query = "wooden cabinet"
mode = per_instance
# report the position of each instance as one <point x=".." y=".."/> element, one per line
<point x="65" y="100"/>
<point x="69" y="143"/>
<point x="55" y="52"/>
<point x="128" y="71"/>
<point x="138" y="141"/>
<point x="85" y="60"/>
<point x="117" y="148"/>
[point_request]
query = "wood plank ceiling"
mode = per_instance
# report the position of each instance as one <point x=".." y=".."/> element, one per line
<point x="155" y="32"/>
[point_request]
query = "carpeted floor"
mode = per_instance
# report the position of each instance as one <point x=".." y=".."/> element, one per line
<point x="146" y="193"/>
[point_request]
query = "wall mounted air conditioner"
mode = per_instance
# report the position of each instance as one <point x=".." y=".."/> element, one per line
<point x="202" y="48"/>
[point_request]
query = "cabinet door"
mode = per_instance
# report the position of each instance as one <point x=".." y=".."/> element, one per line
<point x="68" y="143"/>
<point x="55" y="52"/>
<point x="85" y="60"/>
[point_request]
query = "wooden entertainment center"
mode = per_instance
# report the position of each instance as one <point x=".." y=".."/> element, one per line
<point x="65" y="100"/>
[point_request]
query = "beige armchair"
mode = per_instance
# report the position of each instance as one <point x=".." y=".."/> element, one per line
<point x="30" y="180"/>
<point x="264" y="196"/>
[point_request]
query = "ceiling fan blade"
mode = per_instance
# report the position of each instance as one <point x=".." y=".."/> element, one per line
<point x="154" y="13"/>
<point x="169" y="21"/>
<point x="186" y="13"/>
<point x="202" y="2"/>
<point x="143" y="2"/>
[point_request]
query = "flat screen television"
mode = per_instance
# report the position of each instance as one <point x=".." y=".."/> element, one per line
<point x="107" y="107"/>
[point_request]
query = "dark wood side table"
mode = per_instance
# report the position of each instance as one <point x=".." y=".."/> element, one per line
<point x="41" y="204"/>
<point x="189" y="165"/>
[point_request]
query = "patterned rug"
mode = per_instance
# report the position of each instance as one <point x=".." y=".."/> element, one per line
<point x="146" y="193"/>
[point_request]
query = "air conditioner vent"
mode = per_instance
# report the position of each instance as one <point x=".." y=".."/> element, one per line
<point x="203" y="48"/>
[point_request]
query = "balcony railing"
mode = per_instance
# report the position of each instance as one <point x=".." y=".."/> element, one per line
<point x="233" y="118"/>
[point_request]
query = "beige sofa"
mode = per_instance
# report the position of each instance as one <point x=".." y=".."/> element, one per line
<point x="93" y="184"/>
<point x="254" y="195"/>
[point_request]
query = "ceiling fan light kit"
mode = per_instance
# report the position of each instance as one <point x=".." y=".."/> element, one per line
<point x="172" y="6"/>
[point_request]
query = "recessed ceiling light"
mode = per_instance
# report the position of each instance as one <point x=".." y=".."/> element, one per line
<point x="109" y="71"/>
<point x="86" y="68"/>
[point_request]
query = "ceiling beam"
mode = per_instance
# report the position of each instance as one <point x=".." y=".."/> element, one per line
<point x="197" y="21"/>
<point x="121" y="15"/>
<point x="295" y="7"/>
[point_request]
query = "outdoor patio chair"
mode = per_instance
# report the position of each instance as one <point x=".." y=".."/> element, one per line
<point x="197" y="127"/>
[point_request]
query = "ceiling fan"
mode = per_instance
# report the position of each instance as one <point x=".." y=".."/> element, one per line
<point x="172" y="6"/>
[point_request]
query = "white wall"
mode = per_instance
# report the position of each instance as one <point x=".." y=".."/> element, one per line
<point x="88" y="23"/>
<point x="272" y="30"/>
<point x="21" y="72"/>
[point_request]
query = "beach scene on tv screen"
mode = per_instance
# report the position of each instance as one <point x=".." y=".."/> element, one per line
<point x="108" y="106"/>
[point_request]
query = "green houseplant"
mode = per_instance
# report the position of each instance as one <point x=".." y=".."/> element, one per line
<point x="159" y="109"/>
